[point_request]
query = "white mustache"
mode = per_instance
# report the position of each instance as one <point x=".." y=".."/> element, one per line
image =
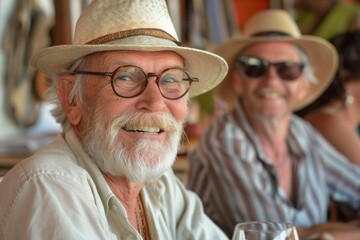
<point x="146" y="122"/>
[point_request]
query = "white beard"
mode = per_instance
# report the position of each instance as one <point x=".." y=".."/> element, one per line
<point x="141" y="160"/>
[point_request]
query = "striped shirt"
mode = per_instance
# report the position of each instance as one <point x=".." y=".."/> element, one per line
<point x="238" y="183"/>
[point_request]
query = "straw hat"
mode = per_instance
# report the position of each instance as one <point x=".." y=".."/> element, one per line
<point x="141" y="25"/>
<point x="322" y="55"/>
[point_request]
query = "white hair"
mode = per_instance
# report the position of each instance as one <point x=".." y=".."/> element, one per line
<point x="308" y="71"/>
<point x="76" y="92"/>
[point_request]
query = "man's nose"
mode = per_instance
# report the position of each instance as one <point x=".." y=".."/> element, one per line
<point x="151" y="98"/>
<point x="272" y="75"/>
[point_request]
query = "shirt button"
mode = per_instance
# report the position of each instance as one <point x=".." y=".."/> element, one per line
<point x="115" y="208"/>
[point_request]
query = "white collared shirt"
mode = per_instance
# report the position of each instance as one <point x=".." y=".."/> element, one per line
<point x="59" y="193"/>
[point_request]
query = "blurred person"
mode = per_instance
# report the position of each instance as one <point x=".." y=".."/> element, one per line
<point x="336" y="113"/>
<point x="326" y="18"/>
<point x="121" y="95"/>
<point x="260" y="161"/>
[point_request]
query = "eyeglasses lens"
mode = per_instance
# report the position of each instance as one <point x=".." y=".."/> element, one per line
<point x="130" y="81"/>
<point x="174" y="83"/>
<point x="289" y="71"/>
<point x="256" y="68"/>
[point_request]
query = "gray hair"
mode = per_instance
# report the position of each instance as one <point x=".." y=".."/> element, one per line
<point x="76" y="92"/>
<point x="308" y="71"/>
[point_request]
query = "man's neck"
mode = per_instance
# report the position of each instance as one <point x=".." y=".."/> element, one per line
<point x="127" y="192"/>
<point x="272" y="130"/>
<point x="272" y="134"/>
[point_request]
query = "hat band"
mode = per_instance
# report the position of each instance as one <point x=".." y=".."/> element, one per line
<point x="153" y="32"/>
<point x="270" y="34"/>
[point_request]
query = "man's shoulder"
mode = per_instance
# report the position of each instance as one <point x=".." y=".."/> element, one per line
<point x="55" y="159"/>
<point x="55" y="156"/>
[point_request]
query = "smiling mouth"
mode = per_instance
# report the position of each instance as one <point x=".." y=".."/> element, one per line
<point x="270" y="95"/>
<point x="148" y="130"/>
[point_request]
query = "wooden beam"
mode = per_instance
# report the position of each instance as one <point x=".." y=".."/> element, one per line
<point x="62" y="28"/>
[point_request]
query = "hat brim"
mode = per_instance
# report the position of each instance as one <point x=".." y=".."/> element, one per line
<point x="208" y="67"/>
<point x="322" y="57"/>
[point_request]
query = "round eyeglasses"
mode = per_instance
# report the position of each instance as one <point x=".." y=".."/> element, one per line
<point x="257" y="68"/>
<point x="129" y="81"/>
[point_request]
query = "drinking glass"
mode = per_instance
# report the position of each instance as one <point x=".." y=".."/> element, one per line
<point x="265" y="231"/>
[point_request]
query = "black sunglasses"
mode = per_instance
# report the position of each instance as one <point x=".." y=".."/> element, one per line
<point x="257" y="68"/>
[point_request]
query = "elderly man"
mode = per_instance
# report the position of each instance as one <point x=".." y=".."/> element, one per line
<point x="260" y="161"/>
<point x="121" y="96"/>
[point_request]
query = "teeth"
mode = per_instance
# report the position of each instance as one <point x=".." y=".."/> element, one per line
<point x="152" y="130"/>
<point x="271" y="95"/>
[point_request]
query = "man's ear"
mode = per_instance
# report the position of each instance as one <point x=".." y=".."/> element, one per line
<point x="72" y="107"/>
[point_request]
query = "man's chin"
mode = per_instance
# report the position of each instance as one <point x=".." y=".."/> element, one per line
<point x="140" y="172"/>
<point x="143" y="178"/>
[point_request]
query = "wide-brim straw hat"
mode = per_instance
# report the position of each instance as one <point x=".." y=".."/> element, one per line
<point x="321" y="54"/>
<point x="141" y="25"/>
